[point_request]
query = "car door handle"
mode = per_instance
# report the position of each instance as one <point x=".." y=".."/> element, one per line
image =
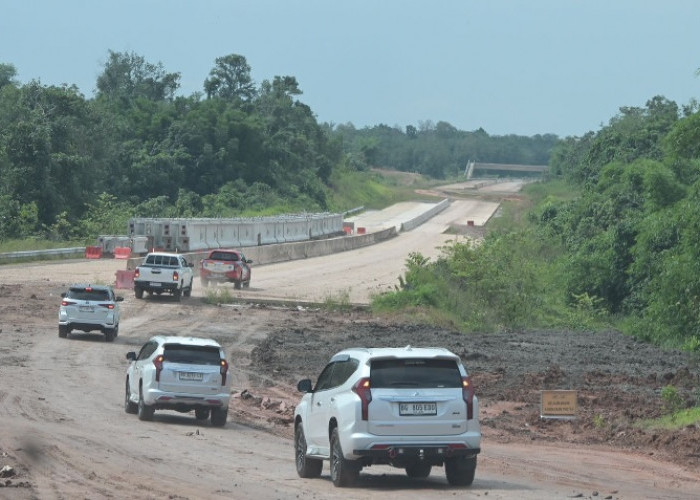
<point x="318" y="403"/>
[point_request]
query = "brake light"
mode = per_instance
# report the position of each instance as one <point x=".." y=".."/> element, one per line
<point x="362" y="389"/>
<point x="67" y="302"/>
<point x="224" y="371"/>
<point x="88" y="289"/>
<point x="108" y="306"/>
<point x="468" y="396"/>
<point x="158" y="362"/>
<point x="176" y="276"/>
<point x="137" y="273"/>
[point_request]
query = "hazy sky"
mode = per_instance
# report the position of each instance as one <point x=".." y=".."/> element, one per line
<point x="508" y="66"/>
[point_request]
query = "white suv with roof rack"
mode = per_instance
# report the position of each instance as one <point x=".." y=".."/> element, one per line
<point x="181" y="374"/>
<point x="87" y="308"/>
<point x="412" y="408"/>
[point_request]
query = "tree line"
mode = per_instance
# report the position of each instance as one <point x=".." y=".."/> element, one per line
<point x="75" y="167"/>
<point x="612" y="239"/>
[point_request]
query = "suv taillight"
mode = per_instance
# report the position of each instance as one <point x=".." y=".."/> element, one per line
<point x="158" y="362"/>
<point x="468" y="396"/>
<point x="137" y="273"/>
<point x="67" y="302"/>
<point x="224" y="371"/>
<point x="362" y="389"/>
<point x="108" y="306"/>
<point x="176" y="276"/>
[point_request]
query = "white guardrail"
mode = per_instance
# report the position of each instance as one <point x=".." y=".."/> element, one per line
<point x="28" y="254"/>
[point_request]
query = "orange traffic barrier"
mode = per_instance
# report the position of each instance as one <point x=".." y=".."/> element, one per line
<point x="361" y="230"/>
<point x="347" y="229"/>
<point x="93" y="252"/>
<point x="470" y="223"/>
<point x="122" y="252"/>
<point x="125" y="279"/>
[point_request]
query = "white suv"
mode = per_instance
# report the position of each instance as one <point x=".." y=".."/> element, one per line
<point x="412" y="408"/>
<point x="181" y="374"/>
<point x="88" y="308"/>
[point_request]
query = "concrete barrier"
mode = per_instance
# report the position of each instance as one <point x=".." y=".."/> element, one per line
<point x="417" y="221"/>
<point x="281" y="252"/>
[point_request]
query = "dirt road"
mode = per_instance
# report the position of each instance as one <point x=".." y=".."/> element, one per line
<point x="64" y="432"/>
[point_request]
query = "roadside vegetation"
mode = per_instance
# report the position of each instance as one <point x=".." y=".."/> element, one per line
<point x="610" y="239"/>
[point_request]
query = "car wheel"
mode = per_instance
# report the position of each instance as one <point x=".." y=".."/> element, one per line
<point x="145" y="411"/>
<point x="129" y="406"/>
<point x="110" y="334"/>
<point x="247" y="284"/>
<point x="178" y="295"/>
<point x="237" y="285"/>
<point x="418" y="471"/>
<point x="201" y="413"/>
<point x="218" y="416"/>
<point x="306" y="467"/>
<point x="138" y="292"/>
<point x="205" y="282"/>
<point x="63" y="331"/>
<point x="460" y="471"/>
<point x="344" y="472"/>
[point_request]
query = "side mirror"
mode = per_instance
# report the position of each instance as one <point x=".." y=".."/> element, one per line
<point x="131" y="355"/>
<point x="304" y="385"/>
<point x="249" y="261"/>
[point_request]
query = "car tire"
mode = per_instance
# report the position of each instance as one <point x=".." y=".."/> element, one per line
<point x="129" y="406"/>
<point x="145" y="411"/>
<point x="63" y="331"/>
<point x="460" y="471"/>
<point x="344" y="472"/>
<point x="219" y="416"/>
<point x="187" y="292"/>
<point x="201" y="413"/>
<point x="419" y="470"/>
<point x="306" y="467"/>
<point x="246" y="284"/>
<point x="138" y="292"/>
<point x="110" y="334"/>
<point x="237" y="285"/>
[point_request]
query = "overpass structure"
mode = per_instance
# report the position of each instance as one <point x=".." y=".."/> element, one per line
<point x="503" y="167"/>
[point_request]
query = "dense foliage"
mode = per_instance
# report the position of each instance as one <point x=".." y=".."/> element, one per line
<point x="614" y="235"/>
<point x="73" y="167"/>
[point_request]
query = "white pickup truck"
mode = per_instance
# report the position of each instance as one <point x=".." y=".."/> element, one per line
<point x="162" y="272"/>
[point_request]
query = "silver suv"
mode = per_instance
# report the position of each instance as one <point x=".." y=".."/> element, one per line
<point x="88" y="308"/>
<point x="412" y="408"/>
<point x="181" y="374"/>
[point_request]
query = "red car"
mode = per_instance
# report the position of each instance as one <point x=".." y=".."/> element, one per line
<point x="223" y="265"/>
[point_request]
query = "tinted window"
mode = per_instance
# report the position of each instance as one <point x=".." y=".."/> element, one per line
<point x="191" y="354"/>
<point x="324" y="380"/>
<point x="342" y="371"/>
<point x="88" y="294"/>
<point x="420" y="373"/>
<point x="227" y="256"/>
<point x="147" y="350"/>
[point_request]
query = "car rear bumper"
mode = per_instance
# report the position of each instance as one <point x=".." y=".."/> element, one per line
<point x="162" y="287"/>
<point x="178" y="401"/>
<point x="391" y="449"/>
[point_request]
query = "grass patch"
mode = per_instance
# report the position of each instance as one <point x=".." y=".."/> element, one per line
<point x="216" y="296"/>
<point x="339" y="301"/>
<point x="675" y="421"/>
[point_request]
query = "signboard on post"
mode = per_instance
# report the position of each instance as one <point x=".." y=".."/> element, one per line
<point x="558" y="404"/>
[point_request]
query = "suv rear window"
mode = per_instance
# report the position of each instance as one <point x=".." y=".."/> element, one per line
<point x="412" y="372"/>
<point x="89" y="294"/>
<point x="191" y="354"/>
<point x="227" y="256"/>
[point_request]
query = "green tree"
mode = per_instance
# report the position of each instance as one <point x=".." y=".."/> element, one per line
<point x="230" y="79"/>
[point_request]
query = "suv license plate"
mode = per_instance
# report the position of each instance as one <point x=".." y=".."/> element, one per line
<point x="194" y="376"/>
<point x="85" y="308"/>
<point x="411" y="409"/>
<point x="155" y="283"/>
